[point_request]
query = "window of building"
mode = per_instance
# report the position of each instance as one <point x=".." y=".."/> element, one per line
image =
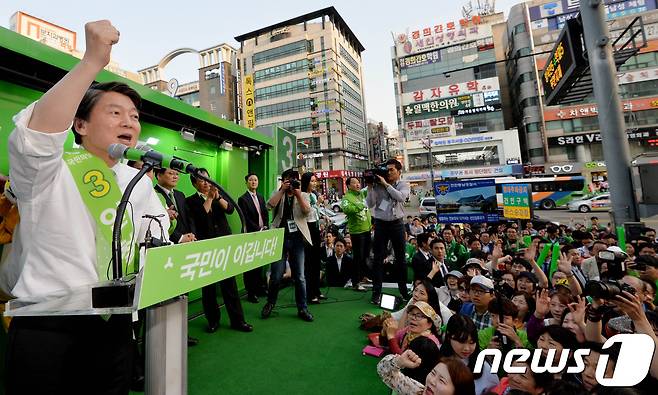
<point x="536" y="152"/>
<point x="281" y="70"/>
<point x="533" y="127"/>
<point x="456" y="158"/>
<point x="297" y="47"/>
<point x="346" y="55"/>
<point x="350" y="76"/>
<point x="289" y="107"/>
<point x="520" y="28"/>
<point x="294" y="125"/>
<point x="308" y="144"/>
<point x="331" y="162"/>
<point x="352" y="109"/>
<point x="284" y="89"/>
<point x="353" y="94"/>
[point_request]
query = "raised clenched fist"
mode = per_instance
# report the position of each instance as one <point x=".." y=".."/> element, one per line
<point x="99" y="37"/>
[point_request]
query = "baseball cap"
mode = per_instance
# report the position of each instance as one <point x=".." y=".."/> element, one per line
<point x="455" y="273"/>
<point x="473" y="262"/>
<point x="530" y="276"/>
<point x="482" y="282"/>
<point x="427" y="311"/>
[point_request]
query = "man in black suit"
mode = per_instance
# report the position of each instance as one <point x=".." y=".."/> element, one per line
<point x="339" y="266"/>
<point x="421" y="263"/>
<point x="253" y="207"/>
<point x="183" y="228"/>
<point x="207" y="210"/>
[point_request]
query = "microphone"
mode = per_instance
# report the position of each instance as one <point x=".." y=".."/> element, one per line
<point x="118" y="151"/>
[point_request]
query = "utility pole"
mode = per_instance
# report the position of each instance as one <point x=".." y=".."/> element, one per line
<point x="611" y="119"/>
<point x="430" y="159"/>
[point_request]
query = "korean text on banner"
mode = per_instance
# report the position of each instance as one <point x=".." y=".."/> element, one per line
<point x="173" y="270"/>
<point x="517" y="201"/>
<point x="249" y="104"/>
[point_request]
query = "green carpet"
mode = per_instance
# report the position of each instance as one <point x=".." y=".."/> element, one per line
<point x="285" y="355"/>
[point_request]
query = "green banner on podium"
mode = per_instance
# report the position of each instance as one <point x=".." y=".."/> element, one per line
<point x="174" y="270"/>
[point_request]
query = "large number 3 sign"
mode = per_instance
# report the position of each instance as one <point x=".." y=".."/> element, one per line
<point x="287" y="162"/>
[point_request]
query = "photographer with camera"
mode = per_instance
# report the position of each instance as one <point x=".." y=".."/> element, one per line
<point x="290" y="206"/>
<point x="385" y="199"/>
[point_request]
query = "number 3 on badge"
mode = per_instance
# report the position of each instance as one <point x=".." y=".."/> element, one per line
<point x="101" y="186"/>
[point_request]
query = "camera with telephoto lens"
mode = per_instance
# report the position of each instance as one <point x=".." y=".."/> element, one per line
<point x="369" y="175"/>
<point x="608" y="289"/>
<point x="293" y="176"/>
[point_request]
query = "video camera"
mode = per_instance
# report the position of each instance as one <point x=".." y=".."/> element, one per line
<point x="369" y="175"/>
<point x="608" y="289"/>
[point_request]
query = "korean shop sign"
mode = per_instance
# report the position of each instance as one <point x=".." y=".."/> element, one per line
<point x="517" y="201"/>
<point x="173" y="270"/>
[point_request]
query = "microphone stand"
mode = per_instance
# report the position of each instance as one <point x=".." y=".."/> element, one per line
<point x="119" y="293"/>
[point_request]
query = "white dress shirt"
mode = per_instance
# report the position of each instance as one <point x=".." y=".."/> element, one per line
<point x="54" y="245"/>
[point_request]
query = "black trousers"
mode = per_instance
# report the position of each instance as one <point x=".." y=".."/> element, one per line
<point x="69" y="355"/>
<point x="312" y="262"/>
<point x="231" y="300"/>
<point x="386" y="231"/>
<point x="361" y="250"/>
<point x="254" y="282"/>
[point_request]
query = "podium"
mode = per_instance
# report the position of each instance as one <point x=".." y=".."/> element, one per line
<point x="166" y="274"/>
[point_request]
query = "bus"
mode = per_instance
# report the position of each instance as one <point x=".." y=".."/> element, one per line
<point x="547" y="192"/>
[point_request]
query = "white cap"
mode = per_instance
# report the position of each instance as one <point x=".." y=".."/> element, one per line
<point x="483" y="282"/>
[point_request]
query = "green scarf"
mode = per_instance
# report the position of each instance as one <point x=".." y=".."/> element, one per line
<point x="101" y="194"/>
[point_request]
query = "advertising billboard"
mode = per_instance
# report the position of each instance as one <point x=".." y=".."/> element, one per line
<point x="441" y="35"/>
<point x="462" y="88"/>
<point x="472" y="201"/>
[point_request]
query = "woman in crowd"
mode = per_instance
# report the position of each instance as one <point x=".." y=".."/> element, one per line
<point x="449" y="293"/>
<point x="461" y="341"/>
<point x="449" y="377"/>
<point x="421" y="320"/>
<point x="312" y="252"/>
<point x="526" y="305"/>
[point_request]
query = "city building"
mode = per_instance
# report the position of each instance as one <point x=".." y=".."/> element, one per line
<point x="450" y="107"/>
<point x="564" y="139"/>
<point x="58" y="37"/>
<point x="306" y="75"/>
<point x="216" y="89"/>
<point x="377" y="135"/>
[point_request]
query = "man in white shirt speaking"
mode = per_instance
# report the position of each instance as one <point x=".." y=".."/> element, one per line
<point x="67" y="203"/>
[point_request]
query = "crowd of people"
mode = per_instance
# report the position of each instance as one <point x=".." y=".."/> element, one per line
<point x="505" y="286"/>
<point x="475" y="286"/>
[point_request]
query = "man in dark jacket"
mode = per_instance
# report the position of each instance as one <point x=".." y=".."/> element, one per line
<point x="253" y="207"/>
<point x="208" y="211"/>
<point x="339" y="266"/>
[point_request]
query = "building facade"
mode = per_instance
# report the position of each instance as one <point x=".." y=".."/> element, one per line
<point x="564" y="139"/>
<point x="216" y="89"/>
<point x="450" y="108"/>
<point x="306" y="76"/>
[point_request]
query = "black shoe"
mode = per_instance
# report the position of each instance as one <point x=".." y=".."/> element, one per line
<point x="305" y="315"/>
<point x="242" y="327"/>
<point x="192" y="341"/>
<point x="376" y="299"/>
<point x="267" y="310"/>
<point x="314" y="301"/>
<point x="137" y="384"/>
<point x="212" y="328"/>
<point x="322" y="297"/>
<point x="252" y="298"/>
